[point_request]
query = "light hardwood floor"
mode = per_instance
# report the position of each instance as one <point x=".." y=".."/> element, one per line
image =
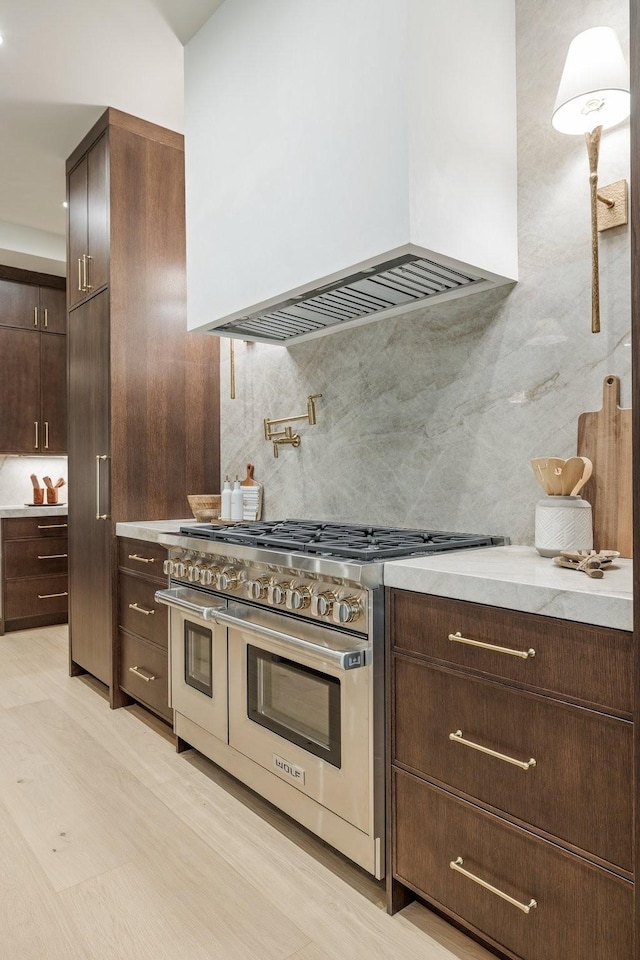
<point x="114" y="847"/>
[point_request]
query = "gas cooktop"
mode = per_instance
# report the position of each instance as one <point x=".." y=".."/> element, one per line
<point x="342" y="541"/>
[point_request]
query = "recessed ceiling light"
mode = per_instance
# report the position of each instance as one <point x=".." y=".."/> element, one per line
<point x="1" y="39"/>
<point x="65" y="204"/>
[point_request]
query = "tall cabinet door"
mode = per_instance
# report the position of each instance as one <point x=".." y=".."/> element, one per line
<point x="53" y="377"/>
<point x="19" y="391"/>
<point x="98" y="214"/>
<point x="90" y="565"/>
<point x="77" y="232"/>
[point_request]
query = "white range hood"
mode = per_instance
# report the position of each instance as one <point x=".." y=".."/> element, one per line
<point x="347" y="160"/>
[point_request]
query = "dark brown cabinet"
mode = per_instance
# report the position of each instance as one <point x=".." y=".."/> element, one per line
<point x="33" y="387"/>
<point x="143" y="625"/>
<point x="510" y="775"/>
<point x="88" y="236"/>
<point x="144" y="394"/>
<point x="34" y="571"/>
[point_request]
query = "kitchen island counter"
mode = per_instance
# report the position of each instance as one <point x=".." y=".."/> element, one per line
<point x="518" y="578"/>
<point x="21" y="510"/>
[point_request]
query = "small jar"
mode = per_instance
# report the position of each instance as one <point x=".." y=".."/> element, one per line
<point x="563" y="523"/>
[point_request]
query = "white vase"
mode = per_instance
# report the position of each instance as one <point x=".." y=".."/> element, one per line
<point x="563" y="523"/>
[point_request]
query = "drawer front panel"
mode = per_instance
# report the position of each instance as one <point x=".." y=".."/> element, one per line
<point x="582" y="912"/>
<point x="583" y="760"/>
<point x="590" y="664"/>
<point x="142" y="557"/>
<point x="22" y="528"/>
<point x="140" y="660"/>
<point x="35" y="598"/>
<point x="138" y="611"/>
<point x="35" y="558"/>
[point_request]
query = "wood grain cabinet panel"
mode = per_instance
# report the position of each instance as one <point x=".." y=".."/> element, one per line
<point x="34" y="571"/>
<point x="583" y="759"/>
<point x="139" y="612"/>
<point x="142" y="557"/>
<point x="143" y="393"/>
<point x="53" y="380"/>
<point x="18" y="304"/>
<point x="581" y="912"/>
<point x="20" y="391"/>
<point x="144" y="673"/>
<point x="578" y="661"/>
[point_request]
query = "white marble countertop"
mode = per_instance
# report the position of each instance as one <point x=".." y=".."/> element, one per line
<point x="518" y="578"/>
<point x="150" y="530"/>
<point x="22" y="510"/>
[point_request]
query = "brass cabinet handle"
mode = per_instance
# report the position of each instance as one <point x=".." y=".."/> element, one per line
<point x="87" y="275"/>
<point x="35" y="316"/>
<point x="147" y="677"/>
<point x="147" y="613"/>
<point x="46" y="434"/>
<point x="523" y="764"/>
<point x="525" y="907"/>
<point x="36" y="444"/>
<point x="99" y="457"/>
<point x="523" y="654"/>
<point x="46" y="318"/>
<point x="52" y="556"/>
<point x="84" y="273"/>
<point x="134" y="556"/>
<point x="80" y="287"/>
<point x="47" y="596"/>
<point x="51" y="526"/>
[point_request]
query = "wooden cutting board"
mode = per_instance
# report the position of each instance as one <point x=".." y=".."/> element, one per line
<point x="605" y="438"/>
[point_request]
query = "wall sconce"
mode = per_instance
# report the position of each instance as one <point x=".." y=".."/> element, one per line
<point x="594" y="95"/>
<point x="287" y="436"/>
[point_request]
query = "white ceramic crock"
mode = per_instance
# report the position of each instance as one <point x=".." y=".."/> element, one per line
<point x="563" y="523"/>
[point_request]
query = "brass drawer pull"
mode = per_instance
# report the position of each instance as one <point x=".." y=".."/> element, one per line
<point x="525" y="907"/>
<point x="53" y="556"/>
<point x="147" y="613"/>
<point x="523" y="764"/>
<point x="147" y="677"/>
<point x="51" y="526"/>
<point x="48" y="596"/>
<point x="134" y="556"/>
<point x="523" y="654"/>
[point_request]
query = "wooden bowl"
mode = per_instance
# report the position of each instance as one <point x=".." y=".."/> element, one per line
<point x="205" y="506"/>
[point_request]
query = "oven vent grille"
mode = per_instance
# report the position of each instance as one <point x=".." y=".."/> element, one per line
<point x="398" y="283"/>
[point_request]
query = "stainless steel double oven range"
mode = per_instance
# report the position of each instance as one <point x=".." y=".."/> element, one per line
<point x="277" y="659"/>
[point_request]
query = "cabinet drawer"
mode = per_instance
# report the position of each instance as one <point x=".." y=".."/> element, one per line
<point x="589" y="664"/>
<point x="583" y="759"/>
<point x="582" y="912"/>
<point x="138" y="611"/>
<point x="23" y="528"/>
<point x="35" y="558"/>
<point x="142" y="557"/>
<point x="35" y="598"/>
<point x="140" y="660"/>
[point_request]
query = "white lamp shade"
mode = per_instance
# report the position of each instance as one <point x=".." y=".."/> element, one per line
<point x="594" y="89"/>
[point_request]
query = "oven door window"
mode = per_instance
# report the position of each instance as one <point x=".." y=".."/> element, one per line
<point x="297" y="703"/>
<point x="198" y="666"/>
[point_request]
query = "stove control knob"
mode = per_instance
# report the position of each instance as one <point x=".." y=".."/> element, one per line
<point x="298" y="598"/>
<point x="322" y="603"/>
<point x="276" y="593"/>
<point x="257" y="589"/>
<point x="167" y="567"/>
<point x="346" y="610"/>
<point x="194" y="573"/>
<point x="227" y="580"/>
<point x="208" y="575"/>
<point x="180" y="569"/>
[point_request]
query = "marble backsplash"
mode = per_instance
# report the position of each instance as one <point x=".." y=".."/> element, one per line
<point x="430" y="420"/>
<point x="15" y="485"/>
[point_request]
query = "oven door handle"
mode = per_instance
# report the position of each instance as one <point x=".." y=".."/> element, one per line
<point x="348" y="659"/>
<point x="173" y="598"/>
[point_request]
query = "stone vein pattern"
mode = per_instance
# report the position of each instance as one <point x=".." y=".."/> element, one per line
<point x="429" y="420"/>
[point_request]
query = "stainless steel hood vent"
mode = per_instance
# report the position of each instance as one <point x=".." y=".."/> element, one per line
<point x="398" y="283"/>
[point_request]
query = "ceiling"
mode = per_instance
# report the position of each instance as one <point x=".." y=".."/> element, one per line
<point x="61" y="65"/>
